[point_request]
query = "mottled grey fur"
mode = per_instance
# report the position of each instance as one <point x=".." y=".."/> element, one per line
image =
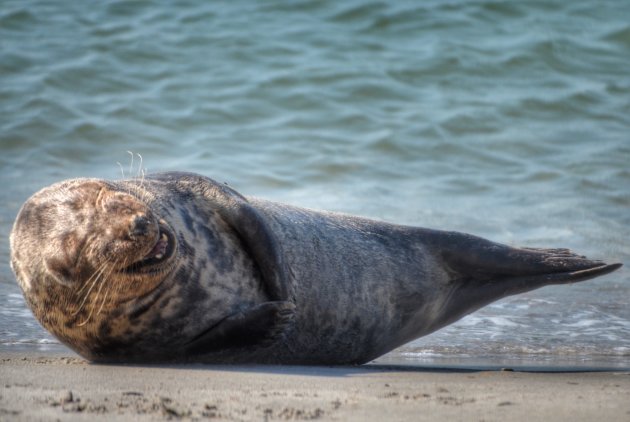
<point x="256" y="281"/>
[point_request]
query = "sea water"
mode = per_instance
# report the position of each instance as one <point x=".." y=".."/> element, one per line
<point x="509" y="120"/>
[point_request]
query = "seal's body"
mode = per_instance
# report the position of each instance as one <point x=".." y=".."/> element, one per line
<point x="177" y="267"/>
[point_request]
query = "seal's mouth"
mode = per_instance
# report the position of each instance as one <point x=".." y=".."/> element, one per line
<point x="159" y="254"/>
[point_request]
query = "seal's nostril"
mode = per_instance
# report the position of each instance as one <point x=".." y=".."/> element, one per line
<point x="140" y="226"/>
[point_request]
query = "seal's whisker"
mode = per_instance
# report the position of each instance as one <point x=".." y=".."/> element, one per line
<point x="87" y="294"/>
<point x="98" y="292"/>
<point x="142" y="174"/>
<point x="104" y="299"/>
<point x="130" y="171"/>
<point x="130" y="164"/>
<point x="122" y="171"/>
<point x="94" y="282"/>
<point x="145" y="192"/>
<point x="103" y="281"/>
<point x="89" y="280"/>
<point x="118" y="288"/>
<point x="139" y="172"/>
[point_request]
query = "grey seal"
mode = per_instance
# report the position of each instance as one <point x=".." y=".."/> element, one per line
<point x="177" y="267"/>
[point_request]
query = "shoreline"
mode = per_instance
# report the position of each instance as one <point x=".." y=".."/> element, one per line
<point x="44" y="387"/>
<point x="401" y="357"/>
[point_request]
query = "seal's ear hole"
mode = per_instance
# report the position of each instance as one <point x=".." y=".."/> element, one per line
<point x="60" y="271"/>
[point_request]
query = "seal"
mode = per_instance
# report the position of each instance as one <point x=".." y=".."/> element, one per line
<point x="176" y="267"/>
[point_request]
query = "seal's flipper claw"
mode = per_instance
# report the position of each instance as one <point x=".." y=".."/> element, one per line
<point x="254" y="327"/>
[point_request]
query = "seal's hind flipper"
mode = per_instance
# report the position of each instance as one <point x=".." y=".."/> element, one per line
<point x="486" y="271"/>
<point x="254" y="327"/>
<point x="481" y="272"/>
<point x="482" y="260"/>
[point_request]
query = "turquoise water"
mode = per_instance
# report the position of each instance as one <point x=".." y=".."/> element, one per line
<point x="509" y="120"/>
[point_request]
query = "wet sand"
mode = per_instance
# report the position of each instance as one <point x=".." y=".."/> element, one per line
<point x="69" y="388"/>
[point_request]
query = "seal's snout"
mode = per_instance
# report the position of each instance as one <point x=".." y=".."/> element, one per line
<point x="140" y="226"/>
<point x="127" y="217"/>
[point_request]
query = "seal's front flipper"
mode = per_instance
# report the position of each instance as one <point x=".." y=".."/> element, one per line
<point x="254" y="327"/>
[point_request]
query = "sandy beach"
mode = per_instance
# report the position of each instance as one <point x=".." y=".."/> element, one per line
<point x="69" y="388"/>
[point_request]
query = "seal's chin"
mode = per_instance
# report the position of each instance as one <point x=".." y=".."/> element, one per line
<point x="161" y="252"/>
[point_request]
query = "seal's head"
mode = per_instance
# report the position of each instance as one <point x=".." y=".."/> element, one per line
<point x="79" y="244"/>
